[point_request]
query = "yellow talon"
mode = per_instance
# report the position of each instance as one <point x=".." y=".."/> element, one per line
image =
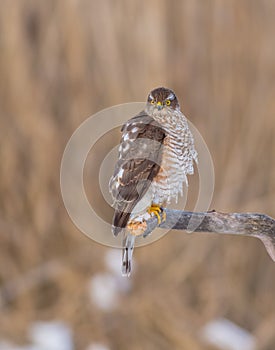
<point x="156" y="210"/>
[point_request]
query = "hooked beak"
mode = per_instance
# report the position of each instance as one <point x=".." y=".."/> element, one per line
<point x="159" y="105"/>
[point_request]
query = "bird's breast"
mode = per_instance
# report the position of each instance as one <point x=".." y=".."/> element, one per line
<point x="176" y="162"/>
<point x="168" y="183"/>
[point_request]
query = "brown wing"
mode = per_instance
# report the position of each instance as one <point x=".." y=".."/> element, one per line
<point x="139" y="158"/>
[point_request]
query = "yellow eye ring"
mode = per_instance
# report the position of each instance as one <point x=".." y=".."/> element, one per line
<point x="168" y="102"/>
<point x="152" y="102"/>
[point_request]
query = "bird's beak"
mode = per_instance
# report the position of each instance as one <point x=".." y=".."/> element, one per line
<point x="159" y="105"/>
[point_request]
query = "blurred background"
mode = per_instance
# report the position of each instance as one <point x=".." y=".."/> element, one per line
<point x="62" y="61"/>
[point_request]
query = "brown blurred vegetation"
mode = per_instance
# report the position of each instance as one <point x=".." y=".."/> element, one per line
<point x="62" y="61"/>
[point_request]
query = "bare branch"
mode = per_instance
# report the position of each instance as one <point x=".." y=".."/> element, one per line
<point x="248" y="224"/>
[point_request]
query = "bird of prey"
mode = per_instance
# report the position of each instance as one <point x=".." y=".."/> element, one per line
<point x="156" y="154"/>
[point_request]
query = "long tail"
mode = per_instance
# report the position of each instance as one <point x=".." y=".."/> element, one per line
<point x="127" y="253"/>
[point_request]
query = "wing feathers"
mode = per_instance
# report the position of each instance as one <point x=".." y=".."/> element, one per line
<point x="139" y="162"/>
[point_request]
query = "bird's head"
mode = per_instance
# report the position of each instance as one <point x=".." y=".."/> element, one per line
<point x="162" y="98"/>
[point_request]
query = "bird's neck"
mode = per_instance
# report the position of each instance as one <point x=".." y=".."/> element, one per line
<point x="171" y="120"/>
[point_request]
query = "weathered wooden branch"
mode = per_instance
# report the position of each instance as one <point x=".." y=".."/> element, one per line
<point x="248" y="224"/>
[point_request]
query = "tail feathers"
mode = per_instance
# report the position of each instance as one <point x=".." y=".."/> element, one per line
<point x="127" y="254"/>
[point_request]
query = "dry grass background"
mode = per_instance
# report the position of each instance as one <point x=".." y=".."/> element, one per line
<point x="62" y="61"/>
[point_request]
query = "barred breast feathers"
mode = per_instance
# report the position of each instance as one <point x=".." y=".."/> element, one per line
<point x="178" y="156"/>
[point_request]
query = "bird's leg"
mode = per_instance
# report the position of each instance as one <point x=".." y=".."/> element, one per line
<point x="136" y="227"/>
<point x="158" y="211"/>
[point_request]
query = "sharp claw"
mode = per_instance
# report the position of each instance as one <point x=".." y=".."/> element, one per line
<point x="156" y="210"/>
<point x="159" y="218"/>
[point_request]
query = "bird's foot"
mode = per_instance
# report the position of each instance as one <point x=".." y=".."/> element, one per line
<point x="136" y="227"/>
<point x="158" y="212"/>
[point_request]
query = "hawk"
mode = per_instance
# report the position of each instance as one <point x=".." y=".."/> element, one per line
<point x="156" y="154"/>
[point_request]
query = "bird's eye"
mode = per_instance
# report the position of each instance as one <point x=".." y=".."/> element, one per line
<point x="152" y="101"/>
<point x="168" y="102"/>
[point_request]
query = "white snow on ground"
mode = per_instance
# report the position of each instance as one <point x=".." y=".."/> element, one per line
<point x="112" y="260"/>
<point x="113" y="264"/>
<point x="51" y="336"/>
<point x="105" y="289"/>
<point x="226" y="335"/>
<point x="45" y="336"/>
